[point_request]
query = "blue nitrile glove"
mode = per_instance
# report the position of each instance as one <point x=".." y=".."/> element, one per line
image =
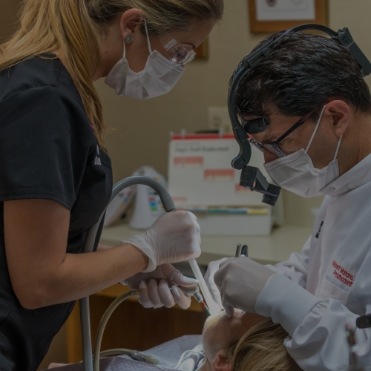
<point x="212" y="268"/>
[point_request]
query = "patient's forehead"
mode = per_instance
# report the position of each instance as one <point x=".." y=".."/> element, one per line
<point x="243" y="321"/>
<point x="233" y="326"/>
<point x="220" y="331"/>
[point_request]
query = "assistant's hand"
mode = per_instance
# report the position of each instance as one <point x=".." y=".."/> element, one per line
<point x="240" y="281"/>
<point x="165" y="286"/>
<point x="173" y="238"/>
<point x="212" y="268"/>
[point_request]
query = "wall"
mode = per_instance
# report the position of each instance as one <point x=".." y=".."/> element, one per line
<point x="8" y="17"/>
<point x="139" y="131"/>
<point x="142" y="128"/>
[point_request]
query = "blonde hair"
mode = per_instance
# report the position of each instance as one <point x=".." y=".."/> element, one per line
<point x="261" y="348"/>
<point x="72" y="26"/>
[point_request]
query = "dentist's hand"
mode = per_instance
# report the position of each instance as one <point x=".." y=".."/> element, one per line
<point x="212" y="268"/>
<point x="165" y="286"/>
<point x="240" y="281"/>
<point x="173" y="238"/>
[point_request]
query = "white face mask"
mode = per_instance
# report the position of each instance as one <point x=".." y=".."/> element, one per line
<point x="296" y="173"/>
<point x="157" y="78"/>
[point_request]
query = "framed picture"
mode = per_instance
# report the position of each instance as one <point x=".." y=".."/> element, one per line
<point x="276" y="15"/>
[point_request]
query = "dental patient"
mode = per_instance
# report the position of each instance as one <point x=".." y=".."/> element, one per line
<point x="242" y="342"/>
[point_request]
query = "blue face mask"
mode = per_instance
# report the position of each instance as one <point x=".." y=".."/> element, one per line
<point x="157" y="78"/>
<point x="296" y="173"/>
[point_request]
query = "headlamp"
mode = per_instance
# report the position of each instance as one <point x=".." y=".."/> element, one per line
<point x="251" y="177"/>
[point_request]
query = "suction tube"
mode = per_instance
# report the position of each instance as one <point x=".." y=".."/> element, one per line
<point x="93" y="234"/>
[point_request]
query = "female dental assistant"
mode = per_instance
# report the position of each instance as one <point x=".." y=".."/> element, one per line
<point x="55" y="173"/>
<point x="314" y="109"/>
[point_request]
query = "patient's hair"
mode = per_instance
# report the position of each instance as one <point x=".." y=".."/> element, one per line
<point x="261" y="349"/>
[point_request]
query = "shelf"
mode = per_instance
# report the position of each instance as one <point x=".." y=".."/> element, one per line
<point x="268" y="249"/>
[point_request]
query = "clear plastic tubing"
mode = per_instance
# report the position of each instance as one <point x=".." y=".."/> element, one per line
<point x="212" y="306"/>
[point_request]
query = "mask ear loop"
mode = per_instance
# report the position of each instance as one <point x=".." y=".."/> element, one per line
<point x="129" y="40"/>
<point x="337" y="148"/>
<point x="315" y="130"/>
<point x="148" y="42"/>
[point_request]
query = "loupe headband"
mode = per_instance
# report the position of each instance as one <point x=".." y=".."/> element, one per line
<point x="242" y="159"/>
<point x="253" y="59"/>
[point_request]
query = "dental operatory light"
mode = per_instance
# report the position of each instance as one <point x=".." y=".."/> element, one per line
<point x="251" y="177"/>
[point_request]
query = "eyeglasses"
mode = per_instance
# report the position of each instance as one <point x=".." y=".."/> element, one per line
<point x="179" y="53"/>
<point x="273" y="146"/>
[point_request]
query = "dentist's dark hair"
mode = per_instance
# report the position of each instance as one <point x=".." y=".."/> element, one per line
<point x="300" y="75"/>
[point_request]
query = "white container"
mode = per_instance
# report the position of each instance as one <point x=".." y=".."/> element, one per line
<point x="118" y="205"/>
<point x="232" y="225"/>
<point x="148" y="207"/>
<point x="200" y="175"/>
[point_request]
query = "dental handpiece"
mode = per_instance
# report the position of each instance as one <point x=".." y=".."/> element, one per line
<point x="198" y="297"/>
<point x="195" y="292"/>
<point x="169" y="205"/>
<point x="211" y="306"/>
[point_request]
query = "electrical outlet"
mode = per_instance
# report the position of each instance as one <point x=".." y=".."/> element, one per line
<point x="219" y="119"/>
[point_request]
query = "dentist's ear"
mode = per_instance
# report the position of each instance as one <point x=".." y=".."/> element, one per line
<point x="340" y="113"/>
<point x="130" y="22"/>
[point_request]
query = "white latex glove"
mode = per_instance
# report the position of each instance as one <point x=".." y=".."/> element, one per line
<point x="173" y="238"/>
<point x="212" y="268"/>
<point x="165" y="286"/>
<point x="240" y="281"/>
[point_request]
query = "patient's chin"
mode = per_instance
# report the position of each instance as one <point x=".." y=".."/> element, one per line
<point x="206" y="366"/>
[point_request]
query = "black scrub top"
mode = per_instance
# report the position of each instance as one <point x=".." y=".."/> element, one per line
<point x="48" y="150"/>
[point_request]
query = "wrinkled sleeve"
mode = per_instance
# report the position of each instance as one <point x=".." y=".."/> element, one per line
<point x="316" y="327"/>
<point x="296" y="267"/>
<point x="35" y="146"/>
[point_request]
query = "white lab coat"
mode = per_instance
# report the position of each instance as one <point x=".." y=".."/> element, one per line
<point x="335" y="269"/>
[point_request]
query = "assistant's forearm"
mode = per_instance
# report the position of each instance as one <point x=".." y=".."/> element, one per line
<point x="80" y="275"/>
